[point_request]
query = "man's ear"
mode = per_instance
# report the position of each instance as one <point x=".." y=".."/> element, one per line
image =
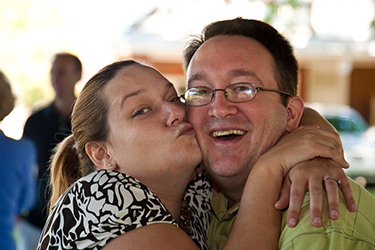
<point x="295" y="111"/>
<point x="99" y="155"/>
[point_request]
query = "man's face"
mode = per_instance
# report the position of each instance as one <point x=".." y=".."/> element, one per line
<point x="64" y="76"/>
<point x="219" y="62"/>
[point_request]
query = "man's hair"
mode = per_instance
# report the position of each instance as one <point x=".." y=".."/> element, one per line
<point x="77" y="62"/>
<point x="286" y="66"/>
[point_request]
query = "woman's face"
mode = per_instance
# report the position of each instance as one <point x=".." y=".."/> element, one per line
<point x="149" y="135"/>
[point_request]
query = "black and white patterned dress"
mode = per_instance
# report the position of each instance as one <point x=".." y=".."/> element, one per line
<point x="102" y="206"/>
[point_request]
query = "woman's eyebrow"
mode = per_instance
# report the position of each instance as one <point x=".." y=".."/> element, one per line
<point x="128" y="95"/>
<point x="168" y="85"/>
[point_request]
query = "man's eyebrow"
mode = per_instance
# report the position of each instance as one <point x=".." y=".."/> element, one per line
<point x="239" y="72"/>
<point x="231" y="74"/>
<point x="196" y="77"/>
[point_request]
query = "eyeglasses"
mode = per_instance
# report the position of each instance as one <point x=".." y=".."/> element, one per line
<point x="238" y="92"/>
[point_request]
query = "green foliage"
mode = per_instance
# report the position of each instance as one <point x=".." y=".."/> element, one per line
<point x="372" y="27"/>
<point x="273" y="7"/>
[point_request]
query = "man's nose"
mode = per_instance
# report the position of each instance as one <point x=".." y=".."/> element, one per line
<point x="220" y="106"/>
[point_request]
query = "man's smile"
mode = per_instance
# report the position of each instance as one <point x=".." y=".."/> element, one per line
<point x="228" y="134"/>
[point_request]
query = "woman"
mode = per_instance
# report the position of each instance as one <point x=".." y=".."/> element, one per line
<point x="136" y="154"/>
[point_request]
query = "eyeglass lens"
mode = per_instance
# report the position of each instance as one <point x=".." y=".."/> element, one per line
<point x="239" y="92"/>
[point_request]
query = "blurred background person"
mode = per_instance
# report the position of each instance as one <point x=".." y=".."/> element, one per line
<point x="17" y="161"/>
<point x="46" y="128"/>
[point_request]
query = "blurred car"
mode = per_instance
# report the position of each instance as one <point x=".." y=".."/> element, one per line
<point x="357" y="137"/>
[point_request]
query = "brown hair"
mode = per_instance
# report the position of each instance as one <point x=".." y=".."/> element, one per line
<point x="286" y="66"/>
<point x="7" y="98"/>
<point x="89" y="123"/>
<point x="76" y="61"/>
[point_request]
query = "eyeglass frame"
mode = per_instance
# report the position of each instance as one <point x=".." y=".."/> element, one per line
<point x="183" y="100"/>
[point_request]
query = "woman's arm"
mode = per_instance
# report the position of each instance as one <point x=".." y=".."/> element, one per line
<point x="312" y="117"/>
<point x="157" y="236"/>
<point x="306" y="179"/>
<point x="257" y="225"/>
<point x="257" y="220"/>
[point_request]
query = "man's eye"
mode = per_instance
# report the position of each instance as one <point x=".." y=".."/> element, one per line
<point x="242" y="89"/>
<point x="141" y="112"/>
<point x="202" y="92"/>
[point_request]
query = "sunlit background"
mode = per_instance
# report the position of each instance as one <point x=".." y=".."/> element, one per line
<point x="328" y="35"/>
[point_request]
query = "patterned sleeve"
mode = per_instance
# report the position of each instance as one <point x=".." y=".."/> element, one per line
<point x="98" y="208"/>
<point x="198" y="195"/>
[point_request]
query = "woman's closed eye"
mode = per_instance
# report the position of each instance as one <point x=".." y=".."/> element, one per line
<point x="141" y="111"/>
<point x="175" y="99"/>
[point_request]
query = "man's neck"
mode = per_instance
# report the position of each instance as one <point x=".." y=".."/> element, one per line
<point x="231" y="189"/>
<point x="64" y="106"/>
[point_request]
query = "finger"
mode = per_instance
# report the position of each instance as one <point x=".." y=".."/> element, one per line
<point x="313" y="131"/>
<point x="347" y="191"/>
<point x="283" y="201"/>
<point x="316" y="201"/>
<point x="328" y="150"/>
<point x="297" y="195"/>
<point x="331" y="147"/>
<point x="335" y="155"/>
<point x="338" y="146"/>
<point x="320" y="143"/>
<point x="331" y="187"/>
<point x="332" y="135"/>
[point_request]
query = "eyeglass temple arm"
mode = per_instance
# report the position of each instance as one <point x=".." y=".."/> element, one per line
<point x="182" y="98"/>
<point x="275" y="90"/>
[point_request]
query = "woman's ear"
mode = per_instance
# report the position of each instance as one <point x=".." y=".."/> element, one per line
<point x="99" y="155"/>
<point x="295" y="111"/>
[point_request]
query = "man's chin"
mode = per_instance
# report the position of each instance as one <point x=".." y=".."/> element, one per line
<point x="222" y="169"/>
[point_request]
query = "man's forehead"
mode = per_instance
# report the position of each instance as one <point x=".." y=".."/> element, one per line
<point x="231" y="74"/>
<point x="230" y="56"/>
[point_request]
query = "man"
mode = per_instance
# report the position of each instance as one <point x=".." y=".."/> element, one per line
<point x="236" y="127"/>
<point x="17" y="159"/>
<point x="46" y="128"/>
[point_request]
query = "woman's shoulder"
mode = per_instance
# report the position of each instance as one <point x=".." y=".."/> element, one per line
<point x="111" y="187"/>
<point x="109" y="179"/>
<point x="101" y="206"/>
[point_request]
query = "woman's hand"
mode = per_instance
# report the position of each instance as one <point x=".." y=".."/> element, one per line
<point x="311" y="175"/>
<point x="303" y="144"/>
<point x="266" y="179"/>
<point x="309" y="155"/>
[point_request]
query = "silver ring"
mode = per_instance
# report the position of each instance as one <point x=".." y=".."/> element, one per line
<point x="338" y="181"/>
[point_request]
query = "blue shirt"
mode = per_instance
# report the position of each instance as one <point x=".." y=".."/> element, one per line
<point x="17" y="191"/>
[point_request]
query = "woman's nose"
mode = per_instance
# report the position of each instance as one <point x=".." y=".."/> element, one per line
<point x="176" y="113"/>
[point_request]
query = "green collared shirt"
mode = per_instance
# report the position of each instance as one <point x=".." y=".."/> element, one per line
<point x="222" y="221"/>
<point x="351" y="231"/>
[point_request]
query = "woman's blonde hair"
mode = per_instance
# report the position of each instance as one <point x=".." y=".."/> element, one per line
<point x="89" y="123"/>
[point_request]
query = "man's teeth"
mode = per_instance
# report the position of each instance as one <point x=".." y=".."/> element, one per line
<point x="228" y="132"/>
